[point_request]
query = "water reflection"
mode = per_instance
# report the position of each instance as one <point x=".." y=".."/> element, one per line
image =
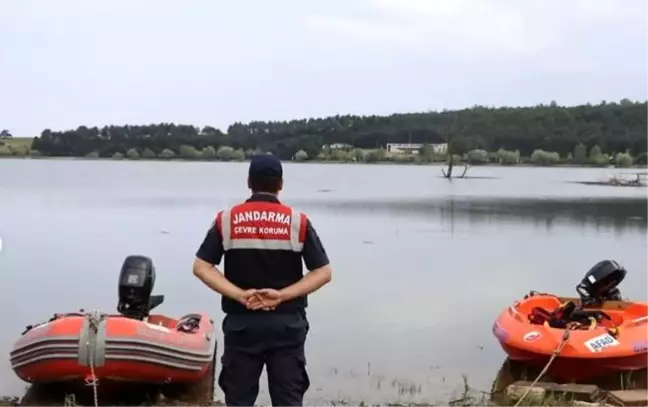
<point x="379" y="334"/>
<point x="619" y="214"/>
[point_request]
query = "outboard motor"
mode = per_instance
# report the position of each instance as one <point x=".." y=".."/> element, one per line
<point x="136" y="282"/>
<point x="600" y="283"/>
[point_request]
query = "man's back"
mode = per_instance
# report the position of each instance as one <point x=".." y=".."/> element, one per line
<point x="269" y="256"/>
<point x="264" y="292"/>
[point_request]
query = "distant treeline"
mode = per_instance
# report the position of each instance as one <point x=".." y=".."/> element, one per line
<point x="612" y="127"/>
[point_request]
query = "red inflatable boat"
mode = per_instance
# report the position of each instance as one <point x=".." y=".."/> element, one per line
<point x="604" y="334"/>
<point x="130" y="346"/>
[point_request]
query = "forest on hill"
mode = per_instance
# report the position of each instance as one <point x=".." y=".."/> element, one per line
<point x="559" y="131"/>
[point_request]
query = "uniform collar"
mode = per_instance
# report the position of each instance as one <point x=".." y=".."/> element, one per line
<point x="263" y="198"/>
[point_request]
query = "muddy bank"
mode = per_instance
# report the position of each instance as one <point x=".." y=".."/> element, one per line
<point x="202" y="393"/>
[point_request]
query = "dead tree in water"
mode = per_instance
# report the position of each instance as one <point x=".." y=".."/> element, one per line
<point x="450" y="138"/>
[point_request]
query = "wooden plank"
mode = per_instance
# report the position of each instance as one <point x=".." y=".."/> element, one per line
<point x="515" y="392"/>
<point x="569" y="391"/>
<point x="581" y="392"/>
<point x="629" y="397"/>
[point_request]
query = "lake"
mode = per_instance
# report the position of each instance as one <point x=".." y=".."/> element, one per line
<point x="422" y="266"/>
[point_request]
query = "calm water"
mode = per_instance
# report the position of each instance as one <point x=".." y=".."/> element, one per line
<point x="422" y="266"/>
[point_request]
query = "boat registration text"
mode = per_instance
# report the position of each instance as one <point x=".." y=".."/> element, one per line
<point x="598" y="343"/>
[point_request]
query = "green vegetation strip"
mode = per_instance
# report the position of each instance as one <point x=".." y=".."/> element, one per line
<point x="597" y="135"/>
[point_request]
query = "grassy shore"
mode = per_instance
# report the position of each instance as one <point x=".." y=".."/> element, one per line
<point x="20" y="147"/>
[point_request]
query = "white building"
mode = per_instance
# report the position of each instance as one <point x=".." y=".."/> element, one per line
<point x="338" y="146"/>
<point x="413" y="148"/>
<point x="403" y="148"/>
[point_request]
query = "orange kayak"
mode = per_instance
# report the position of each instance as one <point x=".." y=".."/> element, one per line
<point x="85" y="346"/>
<point x="616" y="339"/>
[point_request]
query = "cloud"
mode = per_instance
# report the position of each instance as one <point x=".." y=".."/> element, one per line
<point x="466" y="25"/>
<point x="569" y="36"/>
<point x="361" y="30"/>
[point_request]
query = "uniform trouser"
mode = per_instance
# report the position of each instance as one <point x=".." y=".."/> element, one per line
<point x="276" y="340"/>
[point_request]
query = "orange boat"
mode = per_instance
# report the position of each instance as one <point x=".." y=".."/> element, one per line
<point x="590" y="336"/>
<point x="132" y="346"/>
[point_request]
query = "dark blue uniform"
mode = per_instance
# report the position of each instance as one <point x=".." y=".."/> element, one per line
<point x="263" y="243"/>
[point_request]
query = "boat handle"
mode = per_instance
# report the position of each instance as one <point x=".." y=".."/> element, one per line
<point x="639" y="320"/>
<point x="515" y="312"/>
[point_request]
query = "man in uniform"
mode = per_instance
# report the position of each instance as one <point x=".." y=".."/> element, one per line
<point x="264" y="291"/>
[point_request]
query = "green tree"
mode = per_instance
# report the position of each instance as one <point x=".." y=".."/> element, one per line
<point x="188" y="152"/>
<point x="580" y="154"/>
<point x="476" y="157"/>
<point x="623" y="160"/>
<point x="508" y="157"/>
<point x="148" y="154"/>
<point x="426" y="153"/>
<point x="225" y="153"/>
<point x="341" y="155"/>
<point x="376" y="155"/>
<point x="595" y="153"/>
<point x="301" y="155"/>
<point x="118" y="156"/>
<point x="132" y="154"/>
<point x="92" y="154"/>
<point x="238" y="155"/>
<point x="249" y="153"/>
<point x="641" y="159"/>
<point x="208" y="153"/>
<point x="541" y="157"/>
<point x="167" y="154"/>
<point x="612" y="126"/>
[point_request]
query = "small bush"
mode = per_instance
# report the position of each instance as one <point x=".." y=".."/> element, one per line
<point x="208" y="153"/>
<point x="623" y="160"/>
<point x="132" y="154"/>
<point x="225" y="153"/>
<point x="641" y="159"/>
<point x="238" y="155"/>
<point x="373" y="156"/>
<point x="301" y="155"/>
<point x="148" y="154"/>
<point x="167" y="154"/>
<point x="189" y="152"/>
<point x="508" y="157"/>
<point x="541" y="157"/>
<point x="476" y="157"/>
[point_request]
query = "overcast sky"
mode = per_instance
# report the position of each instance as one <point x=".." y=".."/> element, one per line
<point x="213" y="62"/>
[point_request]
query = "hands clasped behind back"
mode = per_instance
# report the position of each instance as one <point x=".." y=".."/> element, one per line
<point x="266" y="299"/>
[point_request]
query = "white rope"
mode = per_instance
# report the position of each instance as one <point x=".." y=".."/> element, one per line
<point x="555" y="353"/>
<point x="94" y="317"/>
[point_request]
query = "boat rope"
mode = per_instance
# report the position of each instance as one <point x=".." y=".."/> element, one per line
<point x="94" y="318"/>
<point x="554" y="354"/>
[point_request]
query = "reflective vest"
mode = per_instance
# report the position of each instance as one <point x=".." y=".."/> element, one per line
<point x="262" y="226"/>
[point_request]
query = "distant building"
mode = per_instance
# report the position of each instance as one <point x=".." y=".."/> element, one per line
<point x="338" y="146"/>
<point x="440" y="148"/>
<point x="413" y="148"/>
<point x="403" y="148"/>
